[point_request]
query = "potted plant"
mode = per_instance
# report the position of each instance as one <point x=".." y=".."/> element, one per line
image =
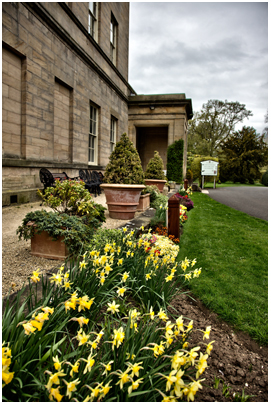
<point x="123" y="180"/>
<point x="65" y="230"/>
<point x="154" y="174"/>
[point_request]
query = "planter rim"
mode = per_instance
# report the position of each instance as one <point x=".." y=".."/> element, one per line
<point x="135" y="186"/>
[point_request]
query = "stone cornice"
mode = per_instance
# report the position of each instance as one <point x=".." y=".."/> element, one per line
<point x="45" y="16"/>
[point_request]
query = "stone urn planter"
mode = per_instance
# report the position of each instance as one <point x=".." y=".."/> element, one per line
<point x="42" y="245"/>
<point x="155" y="182"/>
<point x="144" y="202"/>
<point x="122" y="199"/>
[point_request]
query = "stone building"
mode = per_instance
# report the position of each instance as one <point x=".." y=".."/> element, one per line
<point x="65" y="93"/>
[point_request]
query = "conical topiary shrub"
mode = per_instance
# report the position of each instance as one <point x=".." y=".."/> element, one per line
<point x="154" y="174"/>
<point x="123" y="180"/>
<point x="124" y="165"/>
<point x="155" y="168"/>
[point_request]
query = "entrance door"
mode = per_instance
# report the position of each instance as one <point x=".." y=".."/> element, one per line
<point x="150" y="139"/>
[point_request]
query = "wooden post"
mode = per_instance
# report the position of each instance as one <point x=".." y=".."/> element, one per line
<point x="186" y="184"/>
<point x="174" y="216"/>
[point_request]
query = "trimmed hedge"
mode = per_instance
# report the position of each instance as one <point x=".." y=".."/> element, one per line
<point x="175" y="161"/>
<point x="265" y="179"/>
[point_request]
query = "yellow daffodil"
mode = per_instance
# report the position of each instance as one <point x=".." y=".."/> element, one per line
<point x="207" y="333"/>
<point x="54" y="378"/>
<point x="57" y="363"/>
<point x="118" y="337"/>
<point x="82" y="337"/>
<point x="123" y="378"/>
<point x="192" y="389"/>
<point x="71" y="387"/>
<point x="69" y="305"/>
<point x="7" y="376"/>
<point x="36" y="324"/>
<point x="107" y="367"/>
<point x="169" y="278"/>
<point x="178" y="360"/>
<point x="83" y="264"/>
<point x="170" y="378"/>
<point x="29" y="328"/>
<point x="162" y="315"/>
<point x="120" y="261"/>
<point x="42" y="317"/>
<point x="148" y="276"/>
<point x="35" y="276"/>
<point x="135" y="368"/>
<point x="190" y="326"/>
<point x="209" y="347"/>
<point x="179" y="323"/>
<point x="135" y="385"/>
<point x="104" y="390"/>
<point x="193" y="354"/>
<point x="121" y="291"/>
<point x="48" y="310"/>
<point x="74" y="367"/>
<point x="81" y="320"/>
<point x="90" y="363"/>
<point x="201" y="364"/>
<point x="55" y="394"/>
<point x="151" y="313"/>
<point x="113" y="307"/>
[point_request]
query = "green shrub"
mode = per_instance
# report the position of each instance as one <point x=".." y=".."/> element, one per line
<point x="152" y="190"/>
<point x="155" y="168"/>
<point x="160" y="199"/>
<point x="124" y="165"/>
<point x="265" y="179"/>
<point x="175" y="161"/>
<point x="196" y="169"/>
<point x="77" y="231"/>
<point x="70" y="197"/>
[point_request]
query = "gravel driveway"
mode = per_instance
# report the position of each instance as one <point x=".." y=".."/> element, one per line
<point x="251" y="200"/>
<point x="17" y="261"/>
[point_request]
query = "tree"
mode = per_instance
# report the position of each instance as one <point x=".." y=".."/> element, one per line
<point x="265" y="131"/>
<point x="243" y="154"/>
<point x="213" y="124"/>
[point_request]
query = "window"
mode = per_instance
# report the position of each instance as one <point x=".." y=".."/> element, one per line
<point x="113" y="39"/>
<point x="113" y="131"/>
<point x="92" y="19"/>
<point x="93" y="135"/>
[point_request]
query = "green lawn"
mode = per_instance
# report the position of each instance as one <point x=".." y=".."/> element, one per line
<point x="232" y="249"/>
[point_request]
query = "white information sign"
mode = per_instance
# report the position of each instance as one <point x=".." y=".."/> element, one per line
<point x="209" y="168"/>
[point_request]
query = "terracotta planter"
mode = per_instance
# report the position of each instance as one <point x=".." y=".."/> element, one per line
<point x="154" y="182"/>
<point x="144" y="202"/>
<point x="42" y="245"/>
<point x="122" y="199"/>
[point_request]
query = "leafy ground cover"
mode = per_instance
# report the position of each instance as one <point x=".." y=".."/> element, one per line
<point x="232" y="248"/>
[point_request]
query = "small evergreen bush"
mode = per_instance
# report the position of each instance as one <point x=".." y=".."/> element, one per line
<point x="175" y="161"/>
<point x="155" y="168"/>
<point x="152" y="190"/>
<point x="124" y="165"/>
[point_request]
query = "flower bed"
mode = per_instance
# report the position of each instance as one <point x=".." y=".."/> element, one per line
<point x="102" y="330"/>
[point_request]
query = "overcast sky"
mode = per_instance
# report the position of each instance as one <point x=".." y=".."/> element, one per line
<point x="205" y="50"/>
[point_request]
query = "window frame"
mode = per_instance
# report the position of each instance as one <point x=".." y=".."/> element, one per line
<point x="113" y="133"/>
<point x="93" y="135"/>
<point x="93" y="18"/>
<point x="113" y="40"/>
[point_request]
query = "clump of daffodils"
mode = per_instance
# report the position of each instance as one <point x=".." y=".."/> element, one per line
<point x="7" y="376"/>
<point x="37" y="321"/>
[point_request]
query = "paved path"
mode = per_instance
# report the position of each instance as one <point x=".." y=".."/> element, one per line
<point x="251" y="200"/>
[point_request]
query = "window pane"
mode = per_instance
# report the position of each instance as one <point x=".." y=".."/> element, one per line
<point x="91" y="6"/>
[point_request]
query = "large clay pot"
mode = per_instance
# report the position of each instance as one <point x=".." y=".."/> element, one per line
<point x="154" y="182"/>
<point x="122" y="199"/>
<point x="144" y="202"/>
<point x="42" y="245"/>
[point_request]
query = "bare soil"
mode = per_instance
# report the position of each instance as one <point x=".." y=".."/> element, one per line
<point x="238" y="361"/>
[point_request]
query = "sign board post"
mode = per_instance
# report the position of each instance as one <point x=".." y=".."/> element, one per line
<point x="208" y="168"/>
